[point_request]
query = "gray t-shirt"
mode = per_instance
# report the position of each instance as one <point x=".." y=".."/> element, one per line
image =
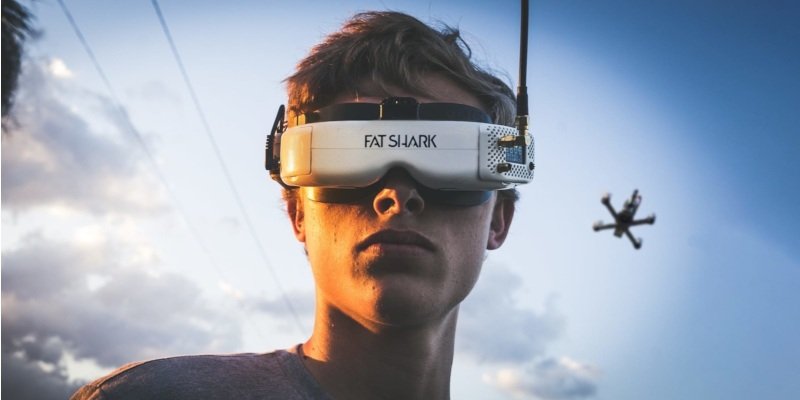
<point x="277" y="375"/>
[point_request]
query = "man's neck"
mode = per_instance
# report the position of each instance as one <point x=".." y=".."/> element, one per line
<point x="353" y="362"/>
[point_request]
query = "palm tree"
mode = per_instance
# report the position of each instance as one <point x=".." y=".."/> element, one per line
<point x="16" y="28"/>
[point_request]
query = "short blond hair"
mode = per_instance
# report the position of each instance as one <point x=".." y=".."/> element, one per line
<point x="392" y="48"/>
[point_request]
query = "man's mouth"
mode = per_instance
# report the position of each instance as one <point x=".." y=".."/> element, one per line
<point x="392" y="238"/>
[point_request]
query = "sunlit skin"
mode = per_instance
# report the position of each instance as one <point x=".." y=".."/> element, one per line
<point x="387" y="308"/>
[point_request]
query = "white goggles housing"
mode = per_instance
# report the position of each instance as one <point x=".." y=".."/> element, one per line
<point x="441" y="155"/>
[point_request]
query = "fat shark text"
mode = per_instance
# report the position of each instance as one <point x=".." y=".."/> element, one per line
<point x="402" y="141"/>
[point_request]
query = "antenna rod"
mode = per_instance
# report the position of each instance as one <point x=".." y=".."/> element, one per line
<point x="522" y="89"/>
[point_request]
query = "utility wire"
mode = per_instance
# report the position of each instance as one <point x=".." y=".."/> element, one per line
<point x="227" y="174"/>
<point x="140" y="140"/>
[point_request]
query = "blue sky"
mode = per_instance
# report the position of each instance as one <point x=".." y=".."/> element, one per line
<point x="693" y="103"/>
<point x="724" y="69"/>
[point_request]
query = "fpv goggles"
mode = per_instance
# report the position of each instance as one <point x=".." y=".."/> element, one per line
<point x="453" y="151"/>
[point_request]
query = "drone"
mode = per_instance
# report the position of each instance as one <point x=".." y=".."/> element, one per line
<point x="624" y="219"/>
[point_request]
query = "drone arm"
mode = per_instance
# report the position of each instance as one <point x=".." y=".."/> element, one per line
<point x="649" y="220"/>
<point x="610" y="208"/>
<point x="637" y="243"/>
<point x="599" y="226"/>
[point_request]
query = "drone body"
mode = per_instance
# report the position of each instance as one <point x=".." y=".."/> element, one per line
<point x="624" y="219"/>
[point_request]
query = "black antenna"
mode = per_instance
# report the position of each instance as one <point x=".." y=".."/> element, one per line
<point x="522" y="89"/>
<point x="516" y="146"/>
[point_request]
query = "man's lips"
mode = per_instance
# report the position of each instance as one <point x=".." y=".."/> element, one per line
<point x="395" y="237"/>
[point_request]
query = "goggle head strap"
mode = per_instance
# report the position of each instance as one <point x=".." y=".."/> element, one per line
<point x="395" y="108"/>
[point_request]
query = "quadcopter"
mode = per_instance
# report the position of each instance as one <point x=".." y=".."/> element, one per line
<point x="624" y="219"/>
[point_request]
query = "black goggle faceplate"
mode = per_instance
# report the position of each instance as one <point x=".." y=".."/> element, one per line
<point x="454" y="198"/>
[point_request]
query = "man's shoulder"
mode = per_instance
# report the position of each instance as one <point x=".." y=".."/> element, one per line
<point x="279" y="374"/>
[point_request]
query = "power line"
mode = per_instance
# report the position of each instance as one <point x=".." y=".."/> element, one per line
<point x="222" y="164"/>
<point x="140" y="140"/>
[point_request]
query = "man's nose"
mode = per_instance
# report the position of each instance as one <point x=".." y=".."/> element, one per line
<point x="399" y="195"/>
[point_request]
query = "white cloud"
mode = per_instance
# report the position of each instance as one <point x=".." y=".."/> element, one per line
<point x="58" y="69"/>
<point x="230" y="290"/>
<point x="302" y="304"/>
<point x="26" y="380"/>
<point x="53" y="157"/>
<point x="497" y="331"/>
<point x="98" y="298"/>
<point x="52" y="313"/>
<point x="548" y="379"/>
<point x="494" y="328"/>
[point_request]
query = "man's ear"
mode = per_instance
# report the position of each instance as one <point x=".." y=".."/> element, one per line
<point x="294" y="207"/>
<point x="502" y="215"/>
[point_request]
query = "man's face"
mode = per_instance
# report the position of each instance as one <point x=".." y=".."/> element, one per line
<point x="395" y="259"/>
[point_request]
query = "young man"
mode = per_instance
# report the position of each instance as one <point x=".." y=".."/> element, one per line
<point x="391" y="262"/>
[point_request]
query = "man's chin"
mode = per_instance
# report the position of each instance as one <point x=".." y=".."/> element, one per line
<point x="404" y="301"/>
